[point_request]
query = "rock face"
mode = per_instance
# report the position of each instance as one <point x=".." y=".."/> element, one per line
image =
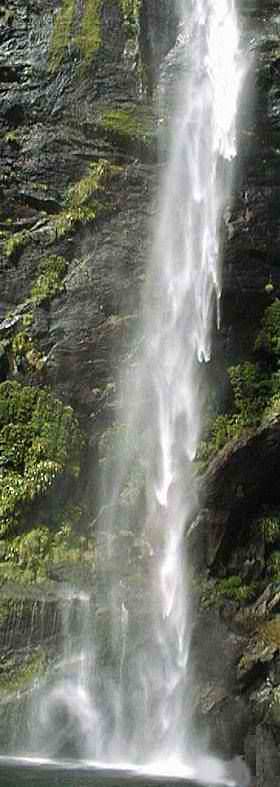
<point x="78" y="146"/>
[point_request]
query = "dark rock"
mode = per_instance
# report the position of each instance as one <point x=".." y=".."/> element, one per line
<point x="238" y="482"/>
<point x="267" y="756"/>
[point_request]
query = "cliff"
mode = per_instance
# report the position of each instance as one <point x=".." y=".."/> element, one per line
<point x="79" y="134"/>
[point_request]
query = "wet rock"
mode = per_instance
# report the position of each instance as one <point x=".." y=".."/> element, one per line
<point x="267" y="756"/>
<point x="238" y="482"/>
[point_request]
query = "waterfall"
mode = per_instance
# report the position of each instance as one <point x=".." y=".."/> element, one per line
<point x="149" y="718"/>
<point x="135" y="681"/>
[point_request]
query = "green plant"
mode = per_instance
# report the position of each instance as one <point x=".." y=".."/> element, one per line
<point x="89" y="37"/>
<point x="25" y="353"/>
<point x="66" y="221"/>
<point x="232" y="588"/>
<point x="18" y="677"/>
<point x="97" y="180"/>
<point x="61" y="33"/>
<point x="273" y="565"/>
<point x="50" y="281"/>
<point x="15" y="244"/>
<point x="39" y="440"/>
<point x="130" y="10"/>
<point x="270" y="527"/>
<point x="268" y="340"/>
<point x="130" y="123"/>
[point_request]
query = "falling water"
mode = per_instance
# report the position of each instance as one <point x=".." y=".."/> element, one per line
<point x="149" y="718"/>
<point x="132" y="691"/>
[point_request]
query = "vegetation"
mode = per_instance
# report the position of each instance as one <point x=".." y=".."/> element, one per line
<point x="85" y="33"/>
<point x="61" y="34"/>
<point x="270" y="528"/>
<point x="39" y="441"/>
<point x="89" y="37"/>
<point x="214" y="594"/>
<point x="50" y="280"/>
<point x="130" y="10"/>
<point x="97" y="180"/>
<point x="15" y="244"/>
<point x="18" y="677"/>
<point x="86" y="37"/>
<point x="28" y="556"/>
<point x="129" y="123"/>
<point x="255" y="387"/>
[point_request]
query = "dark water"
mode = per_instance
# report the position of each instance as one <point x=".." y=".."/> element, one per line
<point x="42" y="775"/>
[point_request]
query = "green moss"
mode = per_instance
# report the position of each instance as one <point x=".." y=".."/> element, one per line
<point x="130" y="10"/>
<point x="18" y="677"/>
<point x="89" y="38"/>
<point x="28" y="557"/>
<point x="268" y="340"/>
<point x="12" y="136"/>
<point x="61" y="34"/>
<point x="39" y="440"/>
<point x="15" y="244"/>
<point x="269" y="631"/>
<point x="50" y="281"/>
<point x="214" y="594"/>
<point x="273" y="565"/>
<point x="24" y="354"/>
<point x="69" y="219"/>
<point x="97" y="180"/>
<point x="129" y="123"/>
<point x="269" y="526"/>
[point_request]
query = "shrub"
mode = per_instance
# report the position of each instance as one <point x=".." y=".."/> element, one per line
<point x="39" y="440"/>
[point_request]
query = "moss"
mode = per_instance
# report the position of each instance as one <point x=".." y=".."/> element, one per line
<point x="130" y="10"/>
<point x="18" y="677"/>
<point x="29" y="556"/>
<point x="269" y="526"/>
<point x="273" y="565"/>
<point x="97" y="180"/>
<point x="15" y="245"/>
<point x="61" y="34"/>
<point x="83" y="198"/>
<point x="39" y="440"/>
<point x="129" y="123"/>
<point x="12" y="136"/>
<point x="268" y="340"/>
<point x="50" y="280"/>
<point x="214" y="594"/>
<point x="89" y="38"/>
<point x="24" y="354"/>
<point x="270" y="631"/>
<point x="65" y="222"/>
